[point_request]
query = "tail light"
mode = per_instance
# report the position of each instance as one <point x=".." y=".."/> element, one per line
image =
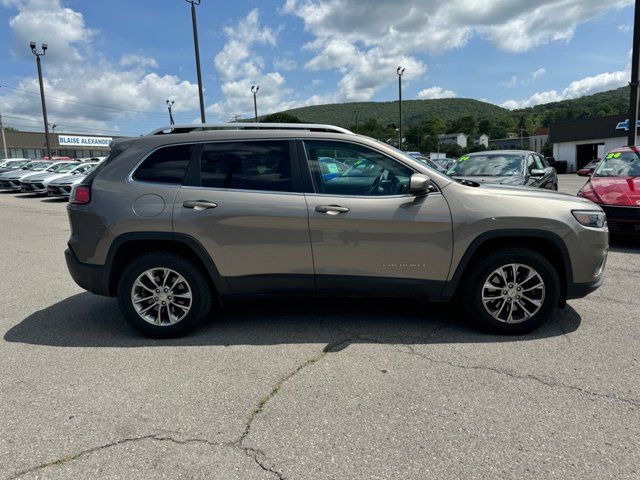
<point x="81" y="195"/>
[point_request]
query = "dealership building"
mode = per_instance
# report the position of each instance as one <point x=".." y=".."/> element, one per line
<point x="34" y="145"/>
<point x="578" y="142"/>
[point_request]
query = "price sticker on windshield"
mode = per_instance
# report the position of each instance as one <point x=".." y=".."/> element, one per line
<point x="613" y="155"/>
<point x="463" y="158"/>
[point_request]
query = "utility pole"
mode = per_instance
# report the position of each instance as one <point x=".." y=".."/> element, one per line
<point x="170" y="107"/>
<point x="34" y="50"/>
<point x="254" y="90"/>
<point x="4" y="140"/>
<point x="196" y="46"/>
<point x="400" y="71"/>
<point x="356" y="112"/>
<point x="635" y="65"/>
<point x="53" y="134"/>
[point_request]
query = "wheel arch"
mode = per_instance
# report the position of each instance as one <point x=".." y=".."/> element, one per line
<point x="129" y="245"/>
<point x="548" y="244"/>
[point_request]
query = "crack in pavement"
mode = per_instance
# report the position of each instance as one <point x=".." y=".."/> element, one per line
<point x="258" y="455"/>
<point x="520" y="376"/>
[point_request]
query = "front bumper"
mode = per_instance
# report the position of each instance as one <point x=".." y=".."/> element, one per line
<point x="35" y="187"/>
<point x="59" y="190"/>
<point x="581" y="290"/>
<point x="10" y="185"/>
<point x="94" y="278"/>
<point x="623" y="220"/>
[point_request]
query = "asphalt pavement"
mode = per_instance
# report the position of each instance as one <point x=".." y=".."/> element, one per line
<point x="300" y="389"/>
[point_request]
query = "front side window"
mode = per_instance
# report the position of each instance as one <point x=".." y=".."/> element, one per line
<point x="165" y="165"/>
<point x="347" y="169"/>
<point x="259" y="165"/>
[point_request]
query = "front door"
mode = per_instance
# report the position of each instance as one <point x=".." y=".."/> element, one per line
<point x="245" y="206"/>
<point x="367" y="231"/>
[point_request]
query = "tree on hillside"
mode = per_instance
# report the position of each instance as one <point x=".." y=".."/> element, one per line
<point x="282" y="117"/>
<point x="466" y="124"/>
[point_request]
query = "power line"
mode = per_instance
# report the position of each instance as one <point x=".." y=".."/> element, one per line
<point x="65" y="100"/>
<point x="69" y="126"/>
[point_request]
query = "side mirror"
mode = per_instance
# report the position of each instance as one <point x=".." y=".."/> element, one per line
<point x="584" y="172"/>
<point x="537" y="172"/>
<point x="419" y="184"/>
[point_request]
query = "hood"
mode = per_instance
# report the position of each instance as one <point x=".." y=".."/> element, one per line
<point x="532" y="192"/>
<point x="67" y="179"/>
<point x="16" y="174"/>
<point x="623" y="191"/>
<point x="40" y="176"/>
<point x="506" y="180"/>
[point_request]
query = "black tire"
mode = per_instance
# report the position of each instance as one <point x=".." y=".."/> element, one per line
<point x="200" y="292"/>
<point x="479" y="272"/>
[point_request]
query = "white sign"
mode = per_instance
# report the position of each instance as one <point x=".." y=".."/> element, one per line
<point x="74" y="141"/>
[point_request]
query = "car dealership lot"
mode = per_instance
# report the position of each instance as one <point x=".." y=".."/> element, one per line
<point x="307" y="389"/>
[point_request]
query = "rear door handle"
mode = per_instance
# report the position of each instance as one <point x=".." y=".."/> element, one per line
<point x="331" y="209"/>
<point x="199" y="204"/>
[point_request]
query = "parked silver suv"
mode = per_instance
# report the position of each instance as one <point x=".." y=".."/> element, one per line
<point x="174" y="219"/>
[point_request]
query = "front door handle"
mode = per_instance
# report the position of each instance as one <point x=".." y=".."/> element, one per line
<point x="199" y="204"/>
<point x="331" y="209"/>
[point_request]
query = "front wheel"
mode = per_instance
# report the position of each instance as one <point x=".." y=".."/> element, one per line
<point x="511" y="291"/>
<point x="163" y="295"/>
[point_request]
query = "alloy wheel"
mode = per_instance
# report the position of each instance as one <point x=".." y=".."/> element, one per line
<point x="161" y="296"/>
<point x="513" y="293"/>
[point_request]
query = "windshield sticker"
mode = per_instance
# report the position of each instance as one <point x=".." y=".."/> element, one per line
<point x="613" y="155"/>
<point x="463" y="158"/>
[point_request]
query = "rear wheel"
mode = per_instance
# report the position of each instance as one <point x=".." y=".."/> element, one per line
<point x="163" y="295"/>
<point x="511" y="291"/>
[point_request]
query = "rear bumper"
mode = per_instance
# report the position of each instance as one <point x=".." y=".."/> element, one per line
<point x="94" y="278"/>
<point x="580" y="290"/>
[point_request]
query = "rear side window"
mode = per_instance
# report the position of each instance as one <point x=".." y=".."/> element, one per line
<point x="165" y="165"/>
<point x="260" y="165"/>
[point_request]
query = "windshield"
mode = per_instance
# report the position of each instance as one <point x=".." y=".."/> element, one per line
<point x="409" y="157"/>
<point x="37" y="166"/>
<point x="14" y="164"/>
<point x="57" y="167"/>
<point x="490" y="165"/>
<point x="619" y="164"/>
<point x="66" y="168"/>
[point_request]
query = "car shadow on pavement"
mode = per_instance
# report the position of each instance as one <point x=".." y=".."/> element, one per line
<point x="624" y="243"/>
<point x="87" y="320"/>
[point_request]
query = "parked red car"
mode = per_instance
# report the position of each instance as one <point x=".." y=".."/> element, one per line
<point x="615" y="186"/>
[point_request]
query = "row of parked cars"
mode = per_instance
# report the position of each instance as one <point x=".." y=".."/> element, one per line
<point x="54" y="177"/>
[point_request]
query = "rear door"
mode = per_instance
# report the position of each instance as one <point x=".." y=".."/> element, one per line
<point x="243" y="202"/>
<point x="367" y="232"/>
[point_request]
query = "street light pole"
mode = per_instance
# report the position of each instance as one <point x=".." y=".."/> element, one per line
<point x="254" y="90"/>
<point x="34" y="50"/>
<point x="400" y="71"/>
<point x="53" y="133"/>
<point x="196" y="46"/>
<point x="170" y="106"/>
<point x="4" y="140"/>
<point x="635" y="65"/>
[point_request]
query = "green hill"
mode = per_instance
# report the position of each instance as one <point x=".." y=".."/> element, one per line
<point x="447" y="109"/>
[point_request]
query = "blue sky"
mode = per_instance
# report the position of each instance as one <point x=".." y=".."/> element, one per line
<point x="111" y="65"/>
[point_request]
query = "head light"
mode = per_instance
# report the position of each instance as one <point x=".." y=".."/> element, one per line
<point x="590" y="218"/>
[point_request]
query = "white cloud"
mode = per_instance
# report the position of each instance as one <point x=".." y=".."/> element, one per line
<point x="578" y="88"/>
<point x="285" y="64"/>
<point x="238" y="73"/>
<point x="512" y="82"/>
<point x="539" y="73"/>
<point x="74" y="85"/>
<point x="37" y="19"/>
<point x="370" y="37"/>
<point x="624" y="28"/>
<point x="435" y="92"/>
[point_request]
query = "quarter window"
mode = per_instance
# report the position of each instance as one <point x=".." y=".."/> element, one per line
<point x="259" y="165"/>
<point x="347" y="169"/>
<point x="165" y="165"/>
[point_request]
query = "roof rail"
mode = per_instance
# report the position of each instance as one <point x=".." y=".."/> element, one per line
<point x="199" y="127"/>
